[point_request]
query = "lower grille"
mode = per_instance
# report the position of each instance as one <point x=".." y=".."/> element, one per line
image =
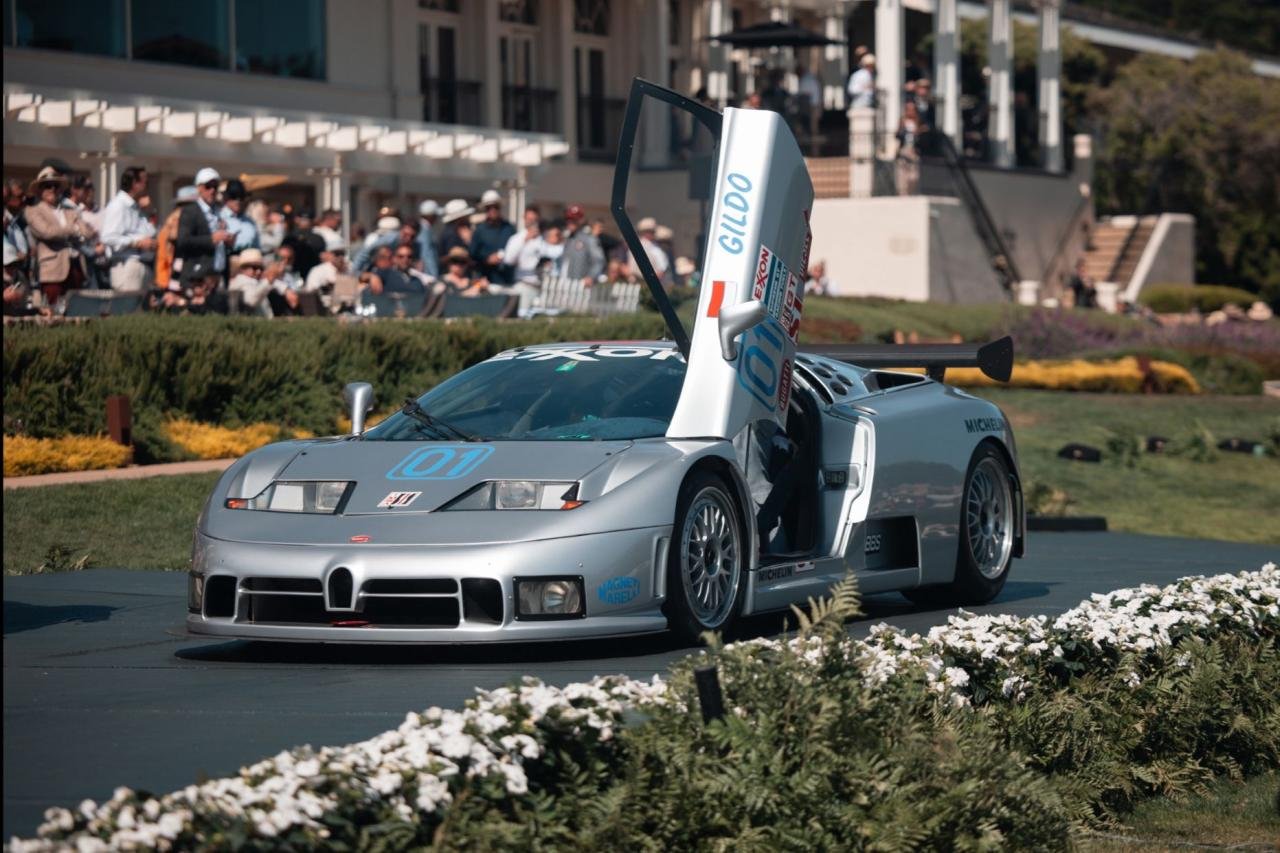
<point x="380" y="603"/>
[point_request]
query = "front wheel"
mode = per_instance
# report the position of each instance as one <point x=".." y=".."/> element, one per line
<point x="706" y="566"/>
<point x="986" y="535"/>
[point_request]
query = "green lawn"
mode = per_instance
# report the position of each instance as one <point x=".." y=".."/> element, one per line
<point x="137" y="524"/>
<point x="1234" y="497"/>
<point x="1240" y="815"/>
<point x="147" y="524"/>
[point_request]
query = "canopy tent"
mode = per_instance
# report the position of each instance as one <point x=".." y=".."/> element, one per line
<point x="773" y="34"/>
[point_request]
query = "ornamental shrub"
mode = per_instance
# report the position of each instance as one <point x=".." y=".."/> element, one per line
<point x="24" y="455"/>
<point x="206" y="441"/>
<point x="1121" y="375"/>
<point x="1205" y="298"/>
<point x="990" y="732"/>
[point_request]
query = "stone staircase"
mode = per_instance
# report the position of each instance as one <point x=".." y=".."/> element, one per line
<point x="1103" y="260"/>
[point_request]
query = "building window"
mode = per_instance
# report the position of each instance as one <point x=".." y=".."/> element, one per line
<point x="591" y="17"/>
<point x="96" y="28"/>
<point x="182" y="33"/>
<point x="454" y="6"/>
<point x="518" y="11"/>
<point x="285" y="38"/>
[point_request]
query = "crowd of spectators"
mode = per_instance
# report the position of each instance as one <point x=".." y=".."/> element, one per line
<point x="220" y="250"/>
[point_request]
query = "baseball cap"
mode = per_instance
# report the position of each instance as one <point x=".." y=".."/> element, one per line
<point x="196" y="270"/>
<point x="235" y="189"/>
<point x="388" y="223"/>
<point x="574" y="212"/>
<point x="428" y="208"/>
<point x="207" y="174"/>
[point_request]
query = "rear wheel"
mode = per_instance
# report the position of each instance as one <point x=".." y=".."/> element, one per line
<point x="986" y="535"/>
<point x="706" y="567"/>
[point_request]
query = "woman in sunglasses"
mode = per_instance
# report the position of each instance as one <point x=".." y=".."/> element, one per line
<point x="58" y="231"/>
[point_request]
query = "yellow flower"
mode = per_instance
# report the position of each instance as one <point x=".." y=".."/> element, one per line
<point x="207" y="441"/>
<point x="1123" y="375"/>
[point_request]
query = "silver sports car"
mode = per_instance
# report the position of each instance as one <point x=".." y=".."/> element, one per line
<point x="603" y="489"/>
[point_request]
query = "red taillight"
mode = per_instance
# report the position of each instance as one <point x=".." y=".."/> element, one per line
<point x="237" y="503"/>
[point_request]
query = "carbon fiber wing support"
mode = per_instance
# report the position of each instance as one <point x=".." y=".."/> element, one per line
<point x="994" y="359"/>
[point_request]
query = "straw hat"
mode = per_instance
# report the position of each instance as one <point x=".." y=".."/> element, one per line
<point x="662" y="232"/>
<point x="47" y="175"/>
<point x="456" y="209"/>
<point x="647" y="224"/>
<point x="185" y="195"/>
<point x="490" y="198"/>
<point x="458" y="255"/>
<point x="389" y="223"/>
<point x="249" y="258"/>
<point x="1260" y="311"/>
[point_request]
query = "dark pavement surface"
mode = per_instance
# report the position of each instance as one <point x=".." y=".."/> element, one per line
<point x="102" y="686"/>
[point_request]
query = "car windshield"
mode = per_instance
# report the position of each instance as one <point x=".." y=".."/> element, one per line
<point x="588" y="393"/>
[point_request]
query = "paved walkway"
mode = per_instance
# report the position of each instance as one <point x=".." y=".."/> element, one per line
<point x="133" y="472"/>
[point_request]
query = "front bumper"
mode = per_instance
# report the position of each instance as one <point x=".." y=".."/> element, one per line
<point x="426" y="593"/>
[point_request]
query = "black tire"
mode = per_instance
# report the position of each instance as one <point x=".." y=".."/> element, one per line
<point x="987" y="527"/>
<point x="697" y="533"/>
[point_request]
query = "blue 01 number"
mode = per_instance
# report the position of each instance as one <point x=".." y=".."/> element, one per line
<point x="440" y="462"/>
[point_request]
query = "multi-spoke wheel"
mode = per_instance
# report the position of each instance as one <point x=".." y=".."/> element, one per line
<point x="707" y="564"/>
<point x="986" y="535"/>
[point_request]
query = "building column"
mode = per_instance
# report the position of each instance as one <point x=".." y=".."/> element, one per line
<point x="656" y="121"/>
<point x="717" y="12"/>
<point x="108" y="177"/>
<point x="946" y="70"/>
<point x="568" y="77"/>
<point x="889" y="70"/>
<point x="333" y="192"/>
<point x="835" y="60"/>
<point x="492" y="92"/>
<point x="1000" y="87"/>
<point x="160" y="186"/>
<point x="1049" y="84"/>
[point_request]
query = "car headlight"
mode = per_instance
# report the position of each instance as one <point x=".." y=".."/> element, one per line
<point x="324" y="497"/>
<point x="549" y="598"/>
<point x="518" y="494"/>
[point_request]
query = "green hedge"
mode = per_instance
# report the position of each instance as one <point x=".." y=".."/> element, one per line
<point x="1179" y="299"/>
<point x="240" y="370"/>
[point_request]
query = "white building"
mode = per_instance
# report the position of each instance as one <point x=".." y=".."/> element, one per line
<point x="360" y="104"/>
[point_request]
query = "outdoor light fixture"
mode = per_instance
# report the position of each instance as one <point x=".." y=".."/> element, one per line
<point x="549" y="598"/>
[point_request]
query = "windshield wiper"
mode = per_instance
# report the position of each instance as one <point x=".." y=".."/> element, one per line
<point x="443" y="429"/>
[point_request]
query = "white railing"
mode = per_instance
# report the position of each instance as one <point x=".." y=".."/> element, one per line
<point x="571" y="296"/>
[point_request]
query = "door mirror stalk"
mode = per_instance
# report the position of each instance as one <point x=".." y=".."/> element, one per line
<point x="735" y="320"/>
<point x="359" y="399"/>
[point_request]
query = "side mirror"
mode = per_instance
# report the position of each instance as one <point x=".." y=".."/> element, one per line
<point x="735" y="320"/>
<point x="359" y="399"/>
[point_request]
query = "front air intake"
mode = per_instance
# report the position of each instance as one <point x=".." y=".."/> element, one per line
<point x="338" y="590"/>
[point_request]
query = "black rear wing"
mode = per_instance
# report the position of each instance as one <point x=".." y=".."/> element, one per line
<point x="994" y="359"/>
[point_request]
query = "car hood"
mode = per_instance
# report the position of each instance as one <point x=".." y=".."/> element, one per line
<point x="439" y="471"/>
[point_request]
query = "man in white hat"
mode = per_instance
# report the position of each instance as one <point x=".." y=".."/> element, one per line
<point x="489" y="240"/>
<point x="387" y="233"/>
<point x="323" y="277"/>
<point x="428" y="214"/>
<point x="250" y="284"/>
<point x="202" y="236"/>
<point x="862" y="83"/>
<point x="457" y="228"/>
<point x="647" y="229"/>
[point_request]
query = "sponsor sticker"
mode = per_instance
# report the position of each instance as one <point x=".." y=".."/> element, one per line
<point x="395" y="499"/>
<point x="775" y="573"/>
<point x="735" y="208"/>
<point x="618" y="590"/>
<point x="717" y="298"/>
<point x="805" y="566"/>
<point x="983" y="425"/>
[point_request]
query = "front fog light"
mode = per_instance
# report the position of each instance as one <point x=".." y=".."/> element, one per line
<point x="549" y="598"/>
<point x="195" y="592"/>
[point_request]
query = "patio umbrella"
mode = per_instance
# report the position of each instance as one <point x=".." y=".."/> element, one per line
<point x="773" y="34"/>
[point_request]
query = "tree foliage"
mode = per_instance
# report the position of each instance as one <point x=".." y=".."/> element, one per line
<point x="1201" y="137"/>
